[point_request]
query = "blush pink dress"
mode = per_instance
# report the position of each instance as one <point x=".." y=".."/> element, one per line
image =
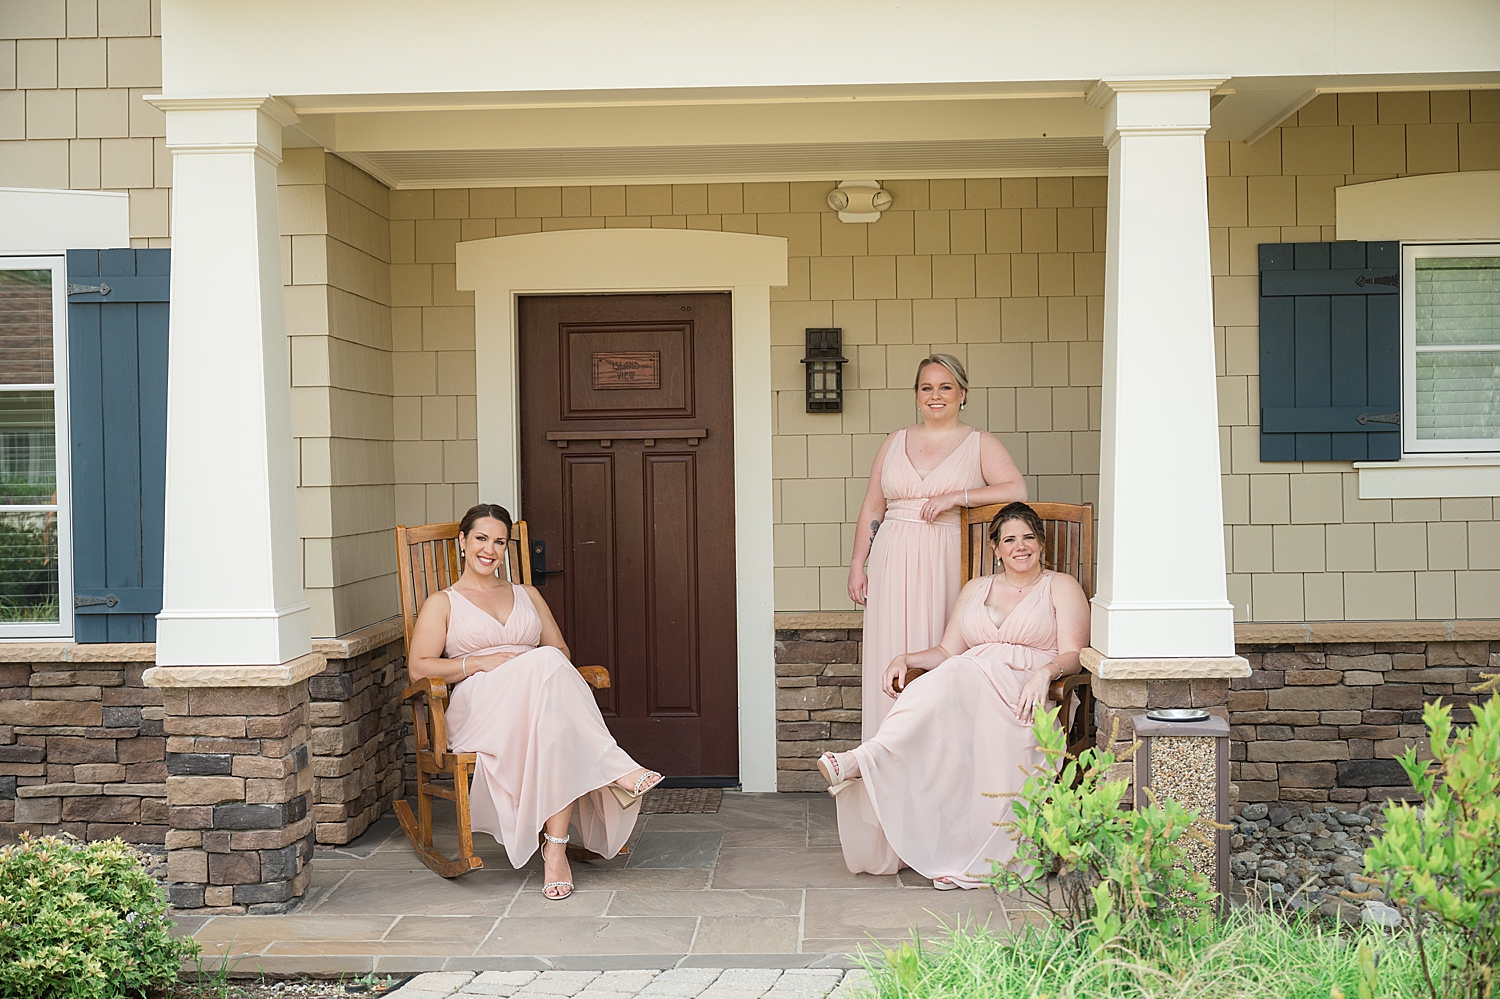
<point x="913" y="568"/>
<point x="951" y="739"/>
<point x="540" y="740"/>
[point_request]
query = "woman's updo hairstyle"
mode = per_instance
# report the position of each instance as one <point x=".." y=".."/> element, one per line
<point x="954" y="365"/>
<point x="479" y="511"/>
<point x="1020" y="511"/>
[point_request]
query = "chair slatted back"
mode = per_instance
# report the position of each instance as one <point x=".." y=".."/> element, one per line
<point x="427" y="560"/>
<point x="1069" y="546"/>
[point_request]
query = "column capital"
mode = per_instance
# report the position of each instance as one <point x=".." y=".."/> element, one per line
<point x="1172" y="106"/>
<point x="226" y="124"/>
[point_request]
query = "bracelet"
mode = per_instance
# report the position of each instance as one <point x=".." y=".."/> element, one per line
<point x="966" y="497"/>
<point x="463" y="664"/>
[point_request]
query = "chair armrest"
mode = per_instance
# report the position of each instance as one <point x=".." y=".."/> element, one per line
<point x="595" y="676"/>
<point x="1065" y="685"/>
<point x="911" y="675"/>
<point x="436" y="692"/>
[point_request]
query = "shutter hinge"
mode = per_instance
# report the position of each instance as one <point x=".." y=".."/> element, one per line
<point x="106" y="601"/>
<point x="1364" y="418"/>
<point x="89" y="289"/>
<point x="1389" y="280"/>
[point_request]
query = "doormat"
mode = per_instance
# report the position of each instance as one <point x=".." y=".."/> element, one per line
<point x="666" y="800"/>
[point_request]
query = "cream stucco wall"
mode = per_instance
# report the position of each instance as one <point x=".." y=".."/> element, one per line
<point x="1301" y="544"/>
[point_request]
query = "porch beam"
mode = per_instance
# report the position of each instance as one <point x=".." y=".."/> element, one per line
<point x="1161" y="591"/>
<point x="233" y="573"/>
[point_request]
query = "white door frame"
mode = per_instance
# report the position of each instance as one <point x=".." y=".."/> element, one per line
<point x="580" y="261"/>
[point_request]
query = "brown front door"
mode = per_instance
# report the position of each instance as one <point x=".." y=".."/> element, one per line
<point x="627" y="477"/>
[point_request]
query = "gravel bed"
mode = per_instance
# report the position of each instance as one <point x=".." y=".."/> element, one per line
<point x="1304" y="859"/>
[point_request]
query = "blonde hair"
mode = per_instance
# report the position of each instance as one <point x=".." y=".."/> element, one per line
<point x="954" y="365"/>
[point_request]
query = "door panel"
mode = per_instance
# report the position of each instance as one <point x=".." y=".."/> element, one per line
<point x="640" y="525"/>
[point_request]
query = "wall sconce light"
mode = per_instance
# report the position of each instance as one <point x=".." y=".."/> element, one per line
<point x="859" y="200"/>
<point x="825" y="370"/>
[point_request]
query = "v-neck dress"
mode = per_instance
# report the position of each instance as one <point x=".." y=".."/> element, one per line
<point x="537" y="733"/>
<point x="913" y="567"/>
<point x="924" y="797"/>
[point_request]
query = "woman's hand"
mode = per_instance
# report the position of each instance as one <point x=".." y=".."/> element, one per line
<point x="485" y="663"/>
<point x="1033" y="695"/>
<point x="892" y="680"/>
<point x="859" y="584"/>
<point x="940" y="504"/>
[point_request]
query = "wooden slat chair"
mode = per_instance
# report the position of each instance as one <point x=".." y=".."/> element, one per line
<point x="427" y="561"/>
<point x="1069" y="548"/>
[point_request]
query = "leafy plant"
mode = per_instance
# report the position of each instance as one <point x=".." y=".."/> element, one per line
<point x="1442" y="860"/>
<point x="83" y="921"/>
<point x="1121" y="873"/>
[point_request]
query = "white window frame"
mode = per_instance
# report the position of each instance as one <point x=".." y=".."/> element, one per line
<point x="63" y="628"/>
<point x="1411" y="447"/>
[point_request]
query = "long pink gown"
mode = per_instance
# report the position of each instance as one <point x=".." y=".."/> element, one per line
<point x="951" y="738"/>
<point x="913" y="567"/>
<point x="538" y="734"/>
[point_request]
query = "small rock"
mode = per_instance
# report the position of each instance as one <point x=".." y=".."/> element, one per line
<point x="1381" y="915"/>
<point x="1353" y="819"/>
<point x="1294" y="825"/>
<point x="1255" y="811"/>
<point x="1279" y="816"/>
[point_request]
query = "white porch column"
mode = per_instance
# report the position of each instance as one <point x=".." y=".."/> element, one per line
<point x="1161" y="591"/>
<point x="233" y="574"/>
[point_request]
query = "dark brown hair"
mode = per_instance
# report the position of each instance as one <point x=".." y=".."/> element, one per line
<point x="1026" y="515"/>
<point x="481" y="510"/>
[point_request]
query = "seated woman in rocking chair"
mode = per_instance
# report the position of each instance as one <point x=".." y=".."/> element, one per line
<point x="521" y="707"/>
<point x="961" y="734"/>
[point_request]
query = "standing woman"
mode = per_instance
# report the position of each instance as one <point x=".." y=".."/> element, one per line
<point x="908" y="525"/>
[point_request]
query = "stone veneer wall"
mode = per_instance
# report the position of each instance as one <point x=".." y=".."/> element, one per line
<point x="1324" y="722"/>
<point x="83" y="749"/>
<point x="817" y="699"/>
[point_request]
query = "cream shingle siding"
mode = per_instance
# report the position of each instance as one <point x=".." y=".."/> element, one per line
<point x="72" y="76"/>
<point x="1008" y="275"/>
<point x="1300" y="543"/>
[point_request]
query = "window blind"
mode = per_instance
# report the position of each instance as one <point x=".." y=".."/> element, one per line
<point x="1457" y="334"/>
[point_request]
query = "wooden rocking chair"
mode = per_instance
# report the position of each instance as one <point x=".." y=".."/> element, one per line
<point x="427" y="561"/>
<point x="1069" y="548"/>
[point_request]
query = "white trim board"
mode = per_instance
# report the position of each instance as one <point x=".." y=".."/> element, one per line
<point x="1417" y="477"/>
<point x="578" y="261"/>
<point x="45" y="221"/>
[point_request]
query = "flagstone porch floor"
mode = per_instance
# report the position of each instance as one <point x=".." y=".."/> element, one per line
<point x="760" y="883"/>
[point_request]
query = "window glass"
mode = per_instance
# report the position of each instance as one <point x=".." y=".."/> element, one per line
<point x="28" y="450"/>
<point x="1457" y="348"/>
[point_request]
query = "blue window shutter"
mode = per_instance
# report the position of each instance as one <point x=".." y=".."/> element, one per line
<point x="117" y="391"/>
<point x="1330" y="351"/>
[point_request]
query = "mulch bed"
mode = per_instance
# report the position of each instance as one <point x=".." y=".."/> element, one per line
<point x="682" y="800"/>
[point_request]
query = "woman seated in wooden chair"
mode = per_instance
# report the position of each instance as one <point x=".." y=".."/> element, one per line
<point x="963" y="730"/>
<point x="521" y="707"/>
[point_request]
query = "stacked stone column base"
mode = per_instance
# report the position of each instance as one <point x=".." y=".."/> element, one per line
<point x="239" y="777"/>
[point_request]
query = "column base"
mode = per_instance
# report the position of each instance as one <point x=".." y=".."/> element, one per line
<point x="239" y="777"/>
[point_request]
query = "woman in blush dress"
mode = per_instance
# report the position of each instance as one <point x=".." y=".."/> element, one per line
<point x="517" y="703"/>
<point x="915" y="795"/>
<point x="908" y="524"/>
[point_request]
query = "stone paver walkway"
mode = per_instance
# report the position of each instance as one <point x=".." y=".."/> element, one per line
<point x="759" y="884"/>
<point x="678" y="983"/>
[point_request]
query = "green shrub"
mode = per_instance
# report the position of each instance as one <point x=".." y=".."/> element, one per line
<point x="1442" y="860"/>
<point x="83" y="921"/>
<point x="1120" y="872"/>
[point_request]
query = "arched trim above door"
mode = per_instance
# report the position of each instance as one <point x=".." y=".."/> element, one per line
<point x="573" y="261"/>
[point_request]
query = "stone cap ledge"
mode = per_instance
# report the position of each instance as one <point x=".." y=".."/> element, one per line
<point x="284" y="675"/>
<point x="820" y="620"/>
<point x="1201" y="668"/>
<point x="77" y="652"/>
<point x="361" y="641"/>
<point x="1312" y="632"/>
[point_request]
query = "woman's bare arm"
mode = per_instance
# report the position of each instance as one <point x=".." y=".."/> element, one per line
<point x="1072" y="622"/>
<point x="871" y="513"/>
<point x="551" y="633"/>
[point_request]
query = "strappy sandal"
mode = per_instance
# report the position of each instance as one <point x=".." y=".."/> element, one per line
<point x="563" y="841"/>
<point x="643" y="784"/>
<point x="828" y="766"/>
<point x="949" y="883"/>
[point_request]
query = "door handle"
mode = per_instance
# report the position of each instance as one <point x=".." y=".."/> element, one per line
<point x="539" y="570"/>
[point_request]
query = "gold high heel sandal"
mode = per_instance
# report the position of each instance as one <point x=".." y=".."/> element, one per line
<point x="629" y="798"/>
<point x="562" y="841"/>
